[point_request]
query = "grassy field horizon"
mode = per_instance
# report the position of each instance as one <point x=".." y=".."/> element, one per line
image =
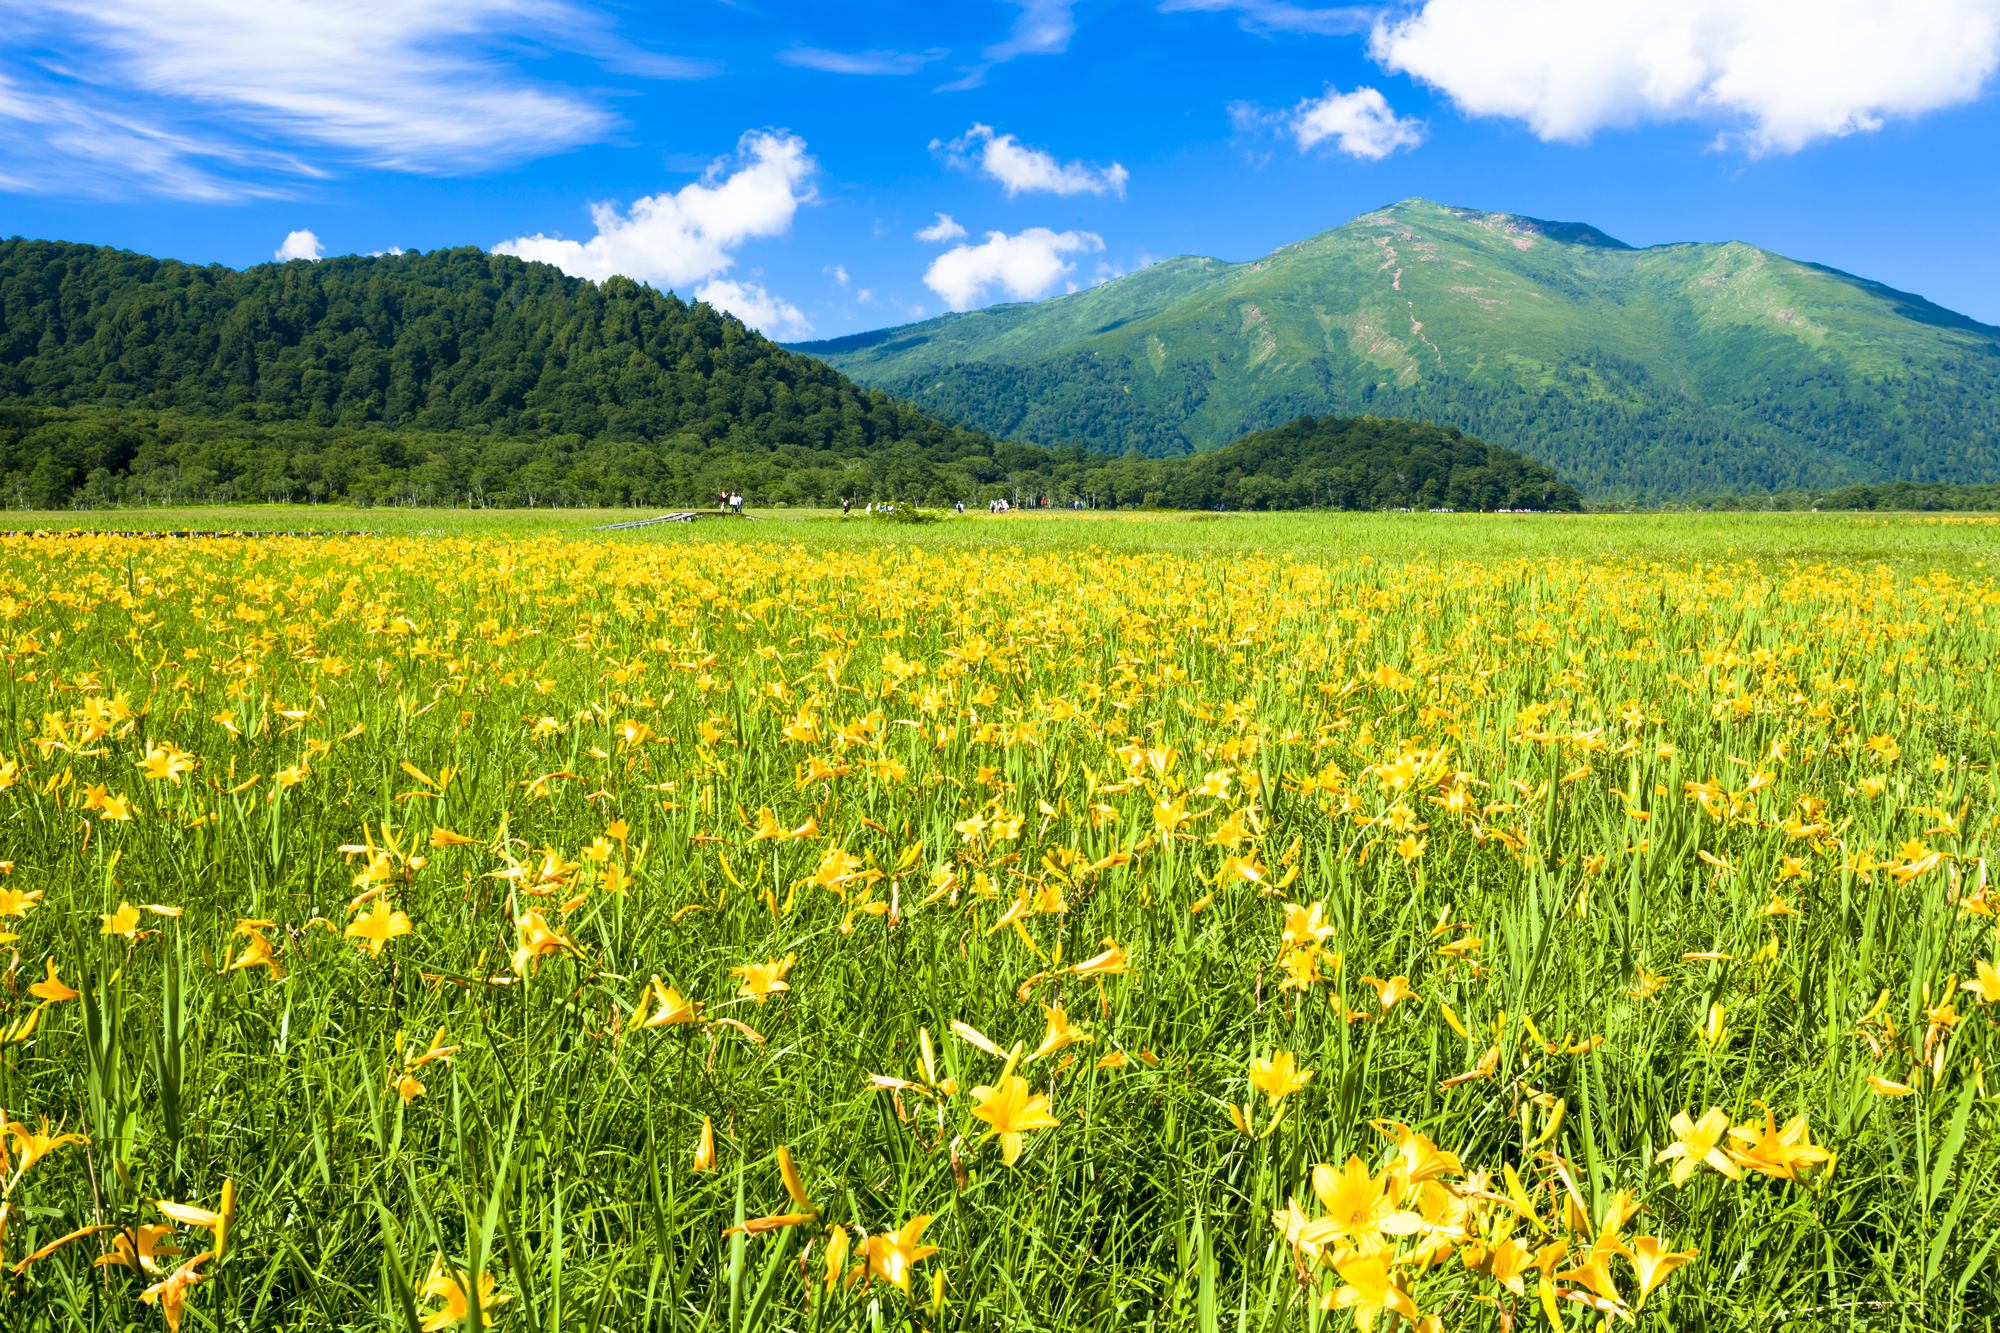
<point x="1961" y="542"/>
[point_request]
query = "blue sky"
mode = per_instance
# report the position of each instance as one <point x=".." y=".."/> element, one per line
<point x="781" y="159"/>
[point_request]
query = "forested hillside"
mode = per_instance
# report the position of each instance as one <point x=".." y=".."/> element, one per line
<point x="1644" y="374"/>
<point x="450" y="341"/>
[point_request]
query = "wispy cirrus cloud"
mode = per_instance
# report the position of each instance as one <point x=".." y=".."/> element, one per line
<point x="55" y="141"/>
<point x="1280" y="16"/>
<point x="235" y="98"/>
<point x="860" y="62"/>
<point x="1043" y="29"/>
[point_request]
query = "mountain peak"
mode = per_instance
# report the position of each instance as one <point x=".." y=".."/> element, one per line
<point x="1673" y="369"/>
<point x="1424" y="211"/>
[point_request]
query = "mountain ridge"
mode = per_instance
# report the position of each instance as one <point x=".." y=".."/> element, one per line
<point x="1638" y="372"/>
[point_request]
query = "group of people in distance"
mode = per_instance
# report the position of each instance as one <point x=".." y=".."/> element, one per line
<point x="729" y="502"/>
<point x="847" y="504"/>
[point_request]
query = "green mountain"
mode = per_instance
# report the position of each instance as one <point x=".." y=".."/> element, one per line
<point x="453" y="340"/>
<point x="1672" y="370"/>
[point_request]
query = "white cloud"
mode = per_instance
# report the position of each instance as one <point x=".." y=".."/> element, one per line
<point x="1278" y="16"/>
<point x="407" y="85"/>
<point x="944" y="229"/>
<point x="1043" y="29"/>
<point x="1024" y="170"/>
<point x="1360" y="123"/>
<point x="1778" y="73"/>
<point x="51" y="141"/>
<point x="770" y="315"/>
<point x="860" y="62"/>
<point x="866" y="296"/>
<point x="674" y="239"/>
<point x="301" y="245"/>
<point x="838" y="272"/>
<point x="1024" y="266"/>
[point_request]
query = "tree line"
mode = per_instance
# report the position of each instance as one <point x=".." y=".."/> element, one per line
<point x="84" y="458"/>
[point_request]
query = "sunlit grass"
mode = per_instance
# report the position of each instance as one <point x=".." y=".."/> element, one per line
<point x="526" y="894"/>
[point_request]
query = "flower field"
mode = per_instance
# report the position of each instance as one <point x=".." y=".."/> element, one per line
<point x="809" y="934"/>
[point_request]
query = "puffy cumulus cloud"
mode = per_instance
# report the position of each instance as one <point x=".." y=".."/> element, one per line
<point x="1279" y="16"/>
<point x="1024" y="170"/>
<point x="1360" y="124"/>
<point x="674" y="239"/>
<point x="944" y="229"/>
<point x="1024" y="266"/>
<point x="860" y="62"/>
<point x="1778" y="73"/>
<point x="188" y="98"/>
<point x="770" y="315"/>
<point x="301" y="245"/>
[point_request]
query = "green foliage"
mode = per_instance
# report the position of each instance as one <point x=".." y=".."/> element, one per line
<point x="1895" y="496"/>
<point x="92" y="458"/>
<point x="451" y="341"/>
<point x="1670" y="371"/>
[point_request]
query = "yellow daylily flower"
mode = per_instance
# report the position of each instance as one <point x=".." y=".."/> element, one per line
<point x="171" y="1293"/>
<point x="141" y="1248"/>
<point x="1304" y="927"/>
<point x="1061" y="1033"/>
<point x="193" y="1215"/>
<point x="761" y="980"/>
<point x="1372" y="1287"/>
<point x="1390" y="993"/>
<point x="1012" y="1110"/>
<point x="704" y="1146"/>
<point x="669" y="1006"/>
<point x="451" y="1288"/>
<point x="1785" y="1154"/>
<point x="1697" y="1142"/>
<point x="1278" y="1077"/>
<point x="52" y="989"/>
<point x="377" y="927"/>
<point x="32" y="1145"/>
<point x="892" y="1254"/>
<point x="537" y="938"/>
<point x="1653" y="1261"/>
